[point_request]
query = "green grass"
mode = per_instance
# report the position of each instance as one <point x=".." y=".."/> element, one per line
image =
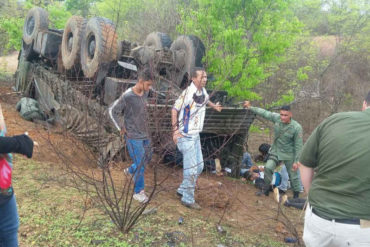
<point x="50" y="215"/>
<point x="255" y="129"/>
<point x="6" y="76"/>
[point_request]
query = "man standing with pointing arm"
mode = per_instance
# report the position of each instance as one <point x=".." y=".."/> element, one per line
<point x="286" y="146"/>
<point x="187" y="117"/>
<point x="335" y="172"/>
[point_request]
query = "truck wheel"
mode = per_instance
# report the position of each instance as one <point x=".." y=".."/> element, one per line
<point x="71" y="41"/>
<point x="99" y="45"/>
<point x="188" y="51"/>
<point x="37" y="20"/>
<point x="158" y="40"/>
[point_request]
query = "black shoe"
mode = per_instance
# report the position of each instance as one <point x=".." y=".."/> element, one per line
<point x="296" y="194"/>
<point x="178" y="194"/>
<point x="281" y="192"/>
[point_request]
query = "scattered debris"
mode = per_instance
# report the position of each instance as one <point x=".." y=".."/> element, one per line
<point x="259" y="202"/>
<point x="220" y="229"/>
<point x="290" y="240"/>
<point x="181" y="220"/>
<point x="280" y="228"/>
<point x="175" y="237"/>
<point x="97" y="242"/>
<point x="150" y="211"/>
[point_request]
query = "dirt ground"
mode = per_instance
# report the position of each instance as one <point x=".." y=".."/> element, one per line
<point x="9" y="63"/>
<point x="228" y="201"/>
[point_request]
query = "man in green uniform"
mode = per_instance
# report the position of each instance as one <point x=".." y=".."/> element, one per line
<point x="338" y="154"/>
<point x="286" y="147"/>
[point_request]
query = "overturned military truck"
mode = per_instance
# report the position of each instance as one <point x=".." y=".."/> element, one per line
<point x="76" y="73"/>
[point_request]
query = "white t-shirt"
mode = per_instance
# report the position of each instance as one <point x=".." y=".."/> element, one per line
<point x="191" y="106"/>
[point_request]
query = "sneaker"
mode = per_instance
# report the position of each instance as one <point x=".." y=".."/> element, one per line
<point x="178" y="194"/>
<point x="192" y="205"/>
<point x="141" y="197"/>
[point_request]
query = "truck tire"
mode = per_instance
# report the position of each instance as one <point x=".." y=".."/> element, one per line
<point x="71" y="41"/>
<point x="188" y="51"/>
<point x="158" y="40"/>
<point x="37" y="20"/>
<point x="99" y="45"/>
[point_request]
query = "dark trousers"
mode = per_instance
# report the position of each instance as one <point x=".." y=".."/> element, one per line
<point x="9" y="223"/>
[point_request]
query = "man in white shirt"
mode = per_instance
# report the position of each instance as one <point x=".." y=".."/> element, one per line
<point x="187" y="116"/>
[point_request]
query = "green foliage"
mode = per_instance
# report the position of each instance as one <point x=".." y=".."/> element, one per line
<point x="255" y="129"/>
<point x="58" y="219"/>
<point x="79" y="7"/>
<point x="12" y="27"/>
<point x="245" y="40"/>
<point x="12" y="20"/>
<point x="136" y="19"/>
<point x="58" y="15"/>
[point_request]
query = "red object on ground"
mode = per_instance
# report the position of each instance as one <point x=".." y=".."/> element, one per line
<point x="5" y="174"/>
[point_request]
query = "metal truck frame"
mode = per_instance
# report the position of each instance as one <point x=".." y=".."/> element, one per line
<point x="77" y="72"/>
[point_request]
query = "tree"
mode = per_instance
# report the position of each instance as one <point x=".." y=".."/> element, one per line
<point x="245" y="40"/>
<point x="136" y="19"/>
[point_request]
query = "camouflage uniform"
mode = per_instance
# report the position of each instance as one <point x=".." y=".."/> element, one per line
<point x="286" y="147"/>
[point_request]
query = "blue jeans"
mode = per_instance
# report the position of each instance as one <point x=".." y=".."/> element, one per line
<point x="246" y="163"/>
<point x="285" y="178"/>
<point x="140" y="154"/>
<point x="192" y="166"/>
<point x="9" y="223"/>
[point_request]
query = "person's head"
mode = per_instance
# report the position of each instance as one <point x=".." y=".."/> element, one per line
<point x="285" y="114"/>
<point x="366" y="102"/>
<point x="199" y="77"/>
<point x="145" y="79"/>
<point x="253" y="173"/>
<point x="264" y="148"/>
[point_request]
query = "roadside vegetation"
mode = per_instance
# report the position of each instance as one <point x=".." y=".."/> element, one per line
<point x="52" y="215"/>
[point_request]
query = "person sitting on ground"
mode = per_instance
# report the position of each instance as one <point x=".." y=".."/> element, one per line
<point x="246" y="163"/>
<point x="256" y="175"/>
<point x="247" y="159"/>
<point x="264" y="153"/>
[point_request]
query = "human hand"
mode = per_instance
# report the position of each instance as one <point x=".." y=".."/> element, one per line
<point x="123" y="131"/>
<point x="295" y="167"/>
<point x="218" y="107"/>
<point x="176" y="135"/>
<point x="247" y="104"/>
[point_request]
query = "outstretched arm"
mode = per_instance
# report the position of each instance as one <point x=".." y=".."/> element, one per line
<point x="217" y="106"/>
<point x="271" y="116"/>
<point x="21" y="144"/>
